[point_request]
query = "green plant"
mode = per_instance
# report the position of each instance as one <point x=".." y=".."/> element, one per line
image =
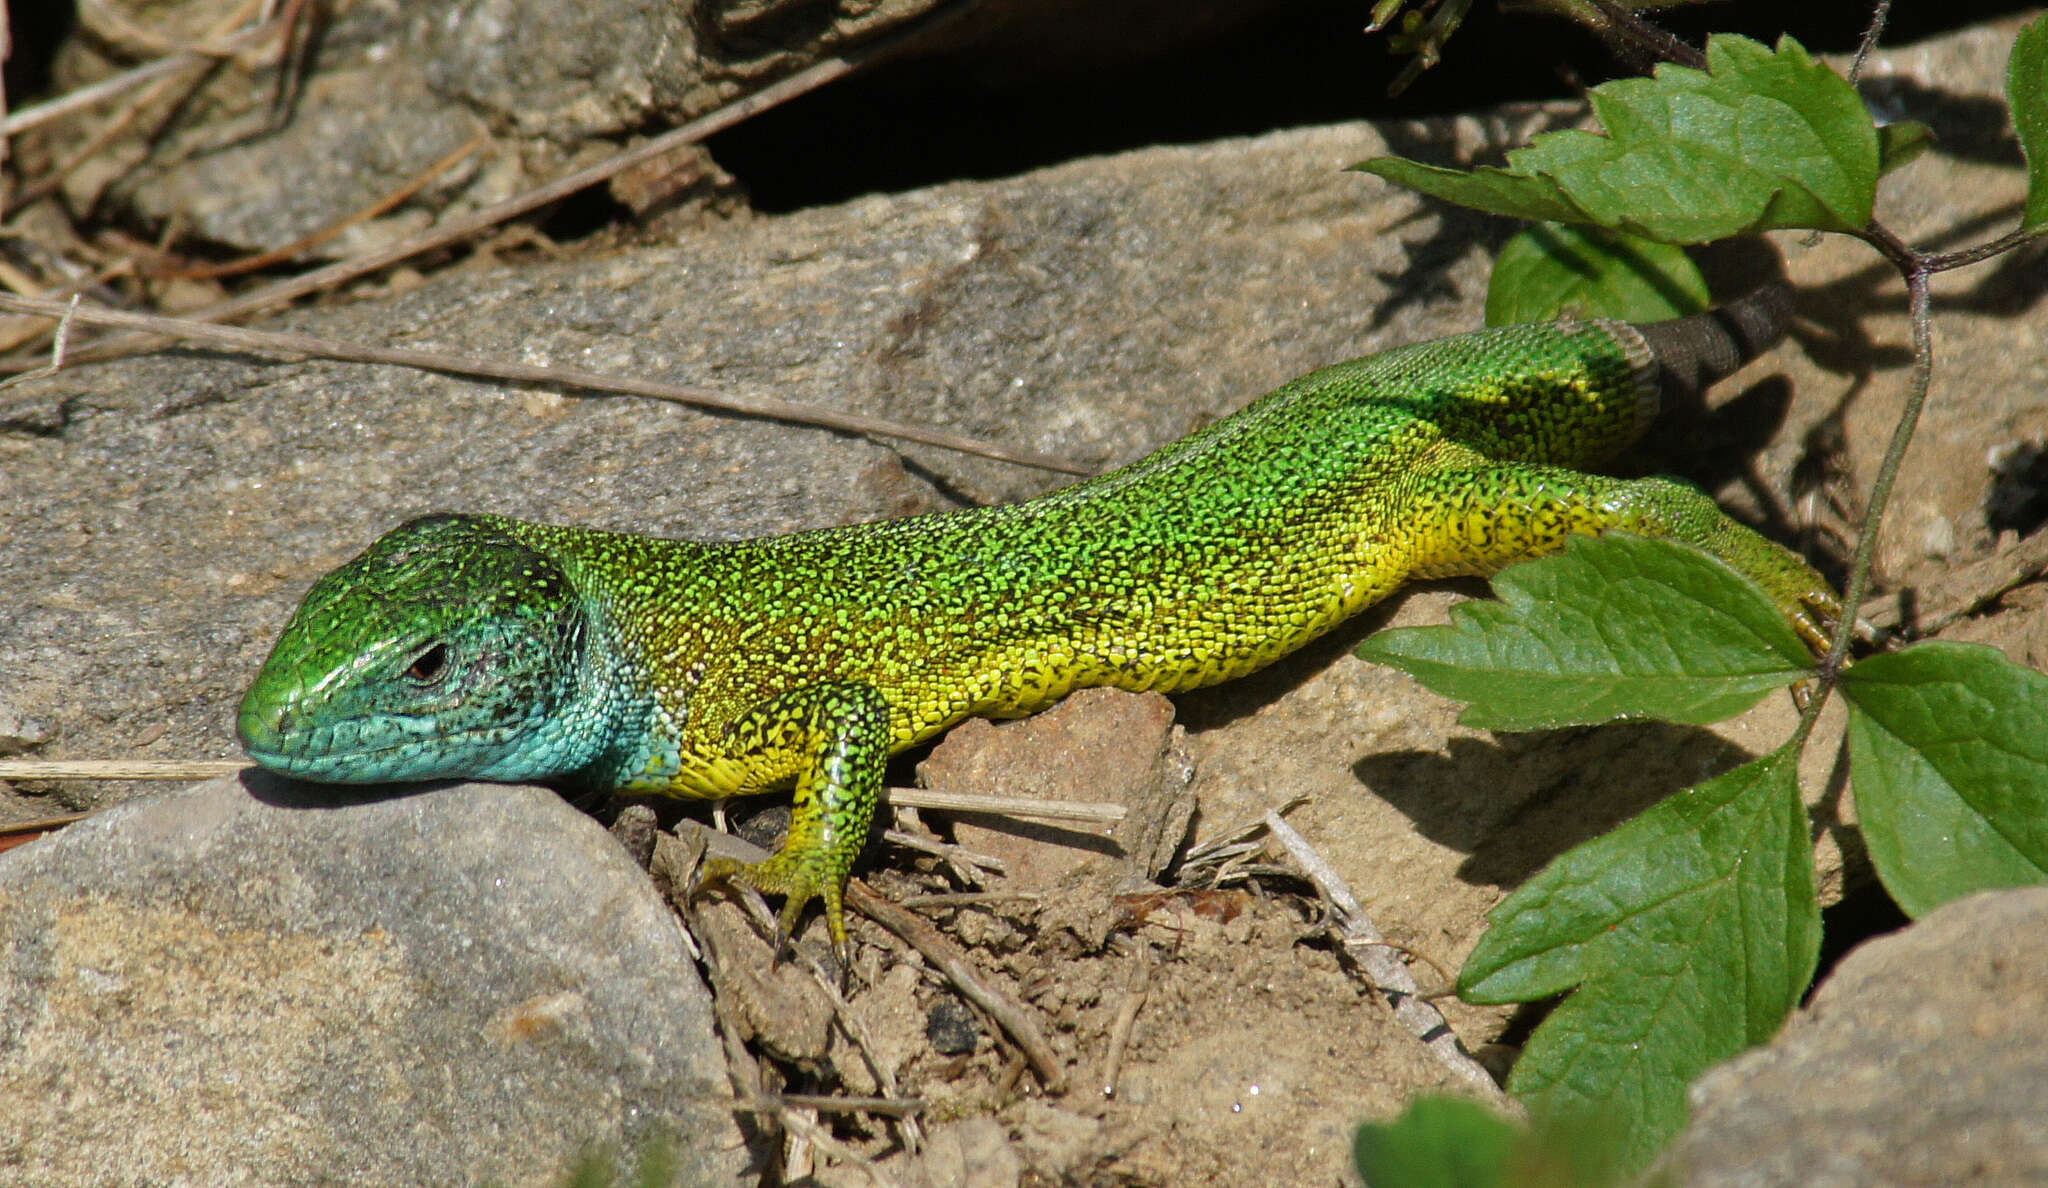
<point x="1688" y="933"/>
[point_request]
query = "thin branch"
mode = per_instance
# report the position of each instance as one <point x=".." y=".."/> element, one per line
<point x="965" y="862"/>
<point x="768" y="407"/>
<point x="894" y="1107"/>
<point x="110" y="87"/>
<point x="41" y="825"/>
<point x="1647" y="36"/>
<point x="1093" y="812"/>
<point x="280" y="255"/>
<point x="1944" y="261"/>
<point x="1015" y="1021"/>
<point x="1878" y="16"/>
<point x="118" y="769"/>
<point x="1913" y="268"/>
<point x="58" y="346"/>
<point x="1119" y="1039"/>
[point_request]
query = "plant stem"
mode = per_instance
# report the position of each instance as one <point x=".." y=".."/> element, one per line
<point x="1914" y="268"/>
<point x="1632" y="28"/>
<point x="1983" y="251"/>
<point x="1878" y="17"/>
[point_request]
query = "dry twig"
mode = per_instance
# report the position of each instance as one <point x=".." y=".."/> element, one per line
<point x="306" y="243"/>
<point x="1364" y="944"/>
<point x="1011" y="1016"/>
<point x="768" y="407"/>
<point x="202" y="769"/>
<point x="118" y="769"/>
<point x="1126" y="1019"/>
<point x="966" y="865"/>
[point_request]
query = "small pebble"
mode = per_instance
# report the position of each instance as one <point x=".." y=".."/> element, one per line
<point x="952" y="1028"/>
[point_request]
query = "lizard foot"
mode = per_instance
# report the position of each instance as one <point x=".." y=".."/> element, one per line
<point x="1814" y="612"/>
<point x="798" y="882"/>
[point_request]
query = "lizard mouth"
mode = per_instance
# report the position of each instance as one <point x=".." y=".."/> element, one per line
<point x="377" y="749"/>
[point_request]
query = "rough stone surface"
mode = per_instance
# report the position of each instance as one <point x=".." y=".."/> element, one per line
<point x="1922" y="1060"/>
<point x="1098" y="745"/>
<point x="272" y="984"/>
<point x="395" y="86"/>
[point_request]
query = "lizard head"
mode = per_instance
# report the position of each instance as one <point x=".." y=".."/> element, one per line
<point x="448" y="648"/>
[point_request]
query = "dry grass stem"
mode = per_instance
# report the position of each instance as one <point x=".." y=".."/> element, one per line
<point x="1363" y="943"/>
<point x="306" y="243"/>
<point x="944" y="956"/>
<point x="276" y="342"/>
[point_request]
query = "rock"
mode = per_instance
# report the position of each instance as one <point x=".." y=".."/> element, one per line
<point x="393" y="88"/>
<point x="1099" y="745"/>
<point x="20" y="732"/>
<point x="273" y="984"/>
<point x="1923" y="1059"/>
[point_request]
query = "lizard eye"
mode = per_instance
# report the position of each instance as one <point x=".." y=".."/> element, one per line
<point x="427" y="667"/>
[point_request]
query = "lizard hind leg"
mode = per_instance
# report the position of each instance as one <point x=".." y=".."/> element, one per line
<point x="1474" y="522"/>
<point x="836" y="737"/>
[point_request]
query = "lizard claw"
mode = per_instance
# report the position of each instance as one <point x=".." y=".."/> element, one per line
<point x="1814" y="617"/>
<point x="798" y="883"/>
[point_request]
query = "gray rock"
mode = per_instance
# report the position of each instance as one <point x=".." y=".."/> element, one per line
<point x="396" y="86"/>
<point x="1922" y="1060"/>
<point x="282" y="985"/>
<point x="18" y="731"/>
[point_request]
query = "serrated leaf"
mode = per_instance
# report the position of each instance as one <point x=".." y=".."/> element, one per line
<point x="1438" y="1142"/>
<point x="1496" y="191"/>
<point x="1688" y="933"/>
<point x="1554" y="268"/>
<point x="1948" y="749"/>
<point x="1762" y="140"/>
<point x="1613" y="627"/>
<point x="2026" y="92"/>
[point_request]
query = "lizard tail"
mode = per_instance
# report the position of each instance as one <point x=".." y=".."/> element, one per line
<point x="1692" y="353"/>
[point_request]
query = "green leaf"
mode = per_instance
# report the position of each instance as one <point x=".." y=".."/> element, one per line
<point x="1689" y="933"/>
<point x="1763" y="140"/>
<point x="1616" y="626"/>
<point x="1453" y="1142"/>
<point x="1899" y="143"/>
<point x="1553" y="269"/>
<point x="2026" y="91"/>
<point x="1948" y="748"/>
<point x="1438" y="1142"/>
<point x="1496" y="191"/>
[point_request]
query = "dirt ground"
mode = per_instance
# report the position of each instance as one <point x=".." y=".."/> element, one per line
<point x="1183" y="1026"/>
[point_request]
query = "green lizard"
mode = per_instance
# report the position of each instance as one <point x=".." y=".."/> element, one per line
<point x="494" y="648"/>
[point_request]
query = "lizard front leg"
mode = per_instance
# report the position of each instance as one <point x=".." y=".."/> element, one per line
<point x="836" y="738"/>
